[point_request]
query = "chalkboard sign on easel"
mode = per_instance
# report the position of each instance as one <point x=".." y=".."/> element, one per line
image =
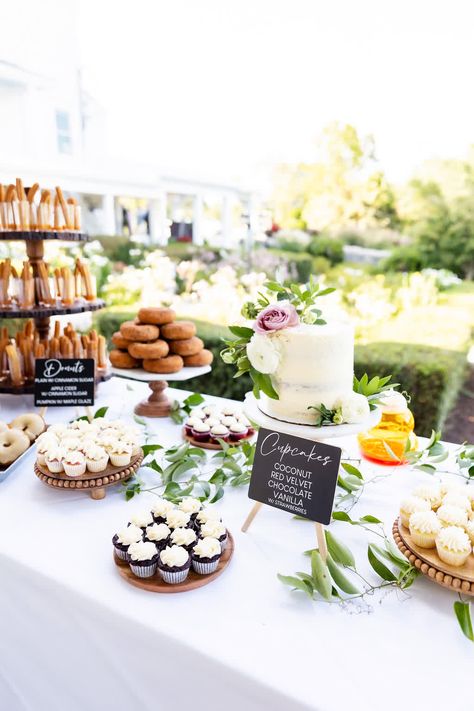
<point x="295" y="475"/>
<point x="64" y="382"/>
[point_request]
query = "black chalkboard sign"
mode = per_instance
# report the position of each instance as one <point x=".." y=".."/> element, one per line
<point x="295" y="475"/>
<point x="64" y="382"/>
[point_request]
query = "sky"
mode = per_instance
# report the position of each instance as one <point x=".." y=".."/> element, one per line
<point x="226" y="89"/>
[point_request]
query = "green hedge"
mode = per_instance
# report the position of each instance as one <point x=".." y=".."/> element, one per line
<point x="432" y="376"/>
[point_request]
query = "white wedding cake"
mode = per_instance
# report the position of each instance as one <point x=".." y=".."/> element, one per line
<point x="315" y="365"/>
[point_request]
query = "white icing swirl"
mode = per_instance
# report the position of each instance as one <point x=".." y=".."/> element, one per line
<point x="142" y="550"/>
<point x="207" y="547"/>
<point x="161" y="507"/>
<point x="190" y="505"/>
<point x="454" y="539"/>
<point x="174" y="556"/>
<point x="425" y="522"/>
<point x="130" y="534"/>
<point x="430" y="492"/>
<point x="214" y="529"/>
<point x="95" y="453"/>
<point x="55" y="454"/>
<point x="142" y="519"/>
<point x="458" y="501"/>
<point x="177" y="518"/>
<point x="74" y="457"/>
<point x="157" y="531"/>
<point x="201" y="426"/>
<point x="208" y="515"/>
<point x="183" y="536"/>
<point x="414" y="503"/>
<point x="452" y="516"/>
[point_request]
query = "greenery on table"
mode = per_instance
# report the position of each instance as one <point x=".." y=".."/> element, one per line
<point x="181" y="410"/>
<point x="185" y="470"/>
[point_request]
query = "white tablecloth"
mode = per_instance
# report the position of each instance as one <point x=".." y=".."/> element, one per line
<point x="74" y="636"/>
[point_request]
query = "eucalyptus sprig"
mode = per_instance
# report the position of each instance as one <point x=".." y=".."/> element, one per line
<point x="181" y="410"/>
<point x="333" y="580"/>
<point x="184" y="470"/>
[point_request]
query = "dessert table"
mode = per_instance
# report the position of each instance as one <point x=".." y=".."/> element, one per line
<point x="74" y="635"/>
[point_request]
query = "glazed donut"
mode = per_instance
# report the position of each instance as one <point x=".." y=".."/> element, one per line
<point x="204" y="357"/>
<point x="123" y="359"/>
<point x="187" y="346"/>
<point x="119" y="341"/>
<point x="12" y="444"/>
<point x="170" y="364"/>
<point x="179" y="329"/>
<point x="155" y="349"/>
<point x="158" y="315"/>
<point x="31" y="424"/>
<point x="139" y="332"/>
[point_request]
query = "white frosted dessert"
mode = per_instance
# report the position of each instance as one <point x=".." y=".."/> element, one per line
<point x="316" y="365"/>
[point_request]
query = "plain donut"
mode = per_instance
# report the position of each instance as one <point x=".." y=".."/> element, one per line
<point x="30" y="423"/>
<point x="12" y="444"/>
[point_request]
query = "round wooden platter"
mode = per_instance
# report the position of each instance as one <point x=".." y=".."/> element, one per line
<point x="92" y="482"/>
<point x="427" y="561"/>
<point x="193" y="581"/>
<point x="213" y="445"/>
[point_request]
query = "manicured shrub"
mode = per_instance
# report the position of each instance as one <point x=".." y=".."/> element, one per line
<point x="329" y="247"/>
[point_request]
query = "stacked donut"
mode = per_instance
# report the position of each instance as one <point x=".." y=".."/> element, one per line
<point x="16" y="437"/>
<point x="158" y="343"/>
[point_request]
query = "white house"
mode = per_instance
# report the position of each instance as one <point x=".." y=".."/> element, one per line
<point x="53" y="132"/>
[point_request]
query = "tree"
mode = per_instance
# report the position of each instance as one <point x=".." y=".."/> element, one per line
<point x="342" y="188"/>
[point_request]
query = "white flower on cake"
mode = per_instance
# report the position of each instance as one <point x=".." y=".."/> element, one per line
<point x="354" y="408"/>
<point x="263" y="353"/>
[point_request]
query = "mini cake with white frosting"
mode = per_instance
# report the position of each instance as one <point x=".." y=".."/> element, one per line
<point x="160" y="509"/>
<point x="453" y="545"/>
<point x="158" y="533"/>
<point x="124" y="538"/>
<point x="424" y="527"/>
<point x="215" y="529"/>
<point x="177" y="519"/>
<point x="184" y="537"/>
<point x="143" y="558"/>
<point x="206" y="555"/>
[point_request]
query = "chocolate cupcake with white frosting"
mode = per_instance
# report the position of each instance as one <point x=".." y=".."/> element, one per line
<point x="143" y="558"/>
<point x="191" y="506"/>
<point x="178" y="519"/>
<point x="215" y="529"/>
<point x="142" y="519"/>
<point x="206" y="555"/>
<point x="204" y="516"/>
<point x="174" y="563"/>
<point x="185" y="537"/>
<point x="160" y="509"/>
<point x="124" y="538"/>
<point x="159" y="534"/>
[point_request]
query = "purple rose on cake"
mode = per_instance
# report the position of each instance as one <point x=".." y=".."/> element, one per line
<point x="275" y="317"/>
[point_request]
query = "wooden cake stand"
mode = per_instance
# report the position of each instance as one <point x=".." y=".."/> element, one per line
<point x="428" y="562"/>
<point x="193" y="581"/>
<point x="94" y="483"/>
<point x="158" y="404"/>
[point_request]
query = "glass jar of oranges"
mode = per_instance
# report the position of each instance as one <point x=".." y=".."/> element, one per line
<point x="388" y="441"/>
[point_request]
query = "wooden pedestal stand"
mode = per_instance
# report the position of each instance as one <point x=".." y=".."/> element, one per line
<point x="314" y="434"/>
<point x="158" y="404"/>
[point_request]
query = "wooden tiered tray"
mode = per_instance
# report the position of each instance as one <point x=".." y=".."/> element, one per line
<point x="193" y="581"/>
<point x="39" y="312"/>
<point x="94" y="483"/>
<point x="428" y="562"/>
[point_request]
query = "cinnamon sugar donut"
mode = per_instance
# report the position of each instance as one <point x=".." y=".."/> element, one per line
<point x="123" y="359"/>
<point x="12" y="444"/>
<point x="187" y="346"/>
<point x="155" y="349"/>
<point x="30" y="423"/>
<point x="204" y="357"/>
<point x="119" y="341"/>
<point x="170" y="364"/>
<point x="139" y="332"/>
<point x="178" y="329"/>
<point x="158" y="315"/>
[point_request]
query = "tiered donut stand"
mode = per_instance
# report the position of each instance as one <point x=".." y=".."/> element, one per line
<point x="41" y="314"/>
